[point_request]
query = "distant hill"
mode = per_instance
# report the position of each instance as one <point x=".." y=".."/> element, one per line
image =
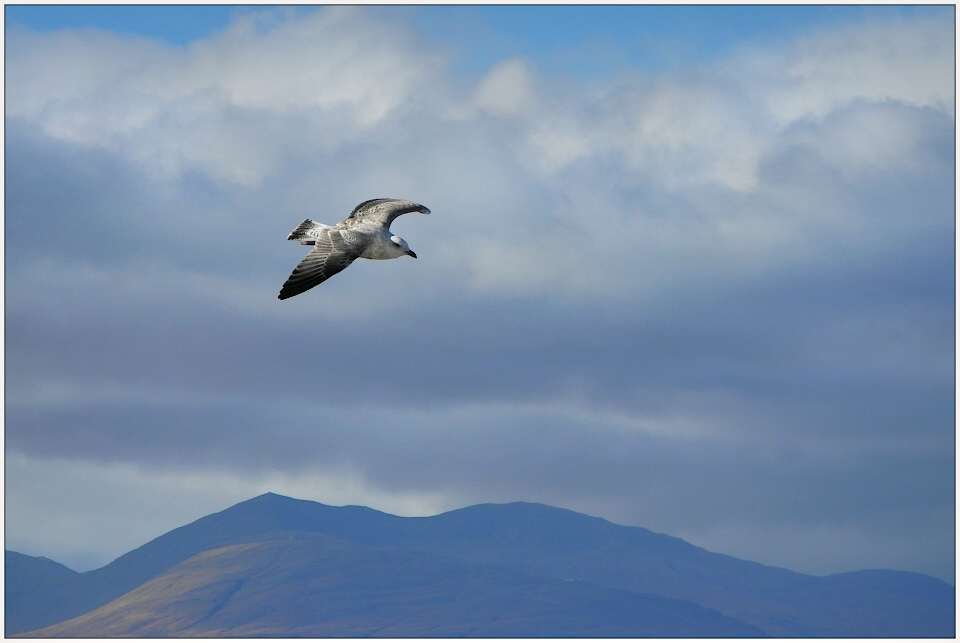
<point x="30" y="584"/>
<point x="523" y="552"/>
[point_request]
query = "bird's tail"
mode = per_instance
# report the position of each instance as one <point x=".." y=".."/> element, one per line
<point x="300" y="232"/>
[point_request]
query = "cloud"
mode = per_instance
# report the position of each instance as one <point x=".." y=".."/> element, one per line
<point x="909" y="61"/>
<point x="710" y="301"/>
<point x="247" y="117"/>
<point x="229" y="105"/>
<point x="506" y="89"/>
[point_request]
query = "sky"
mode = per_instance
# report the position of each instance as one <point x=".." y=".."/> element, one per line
<point x="686" y="268"/>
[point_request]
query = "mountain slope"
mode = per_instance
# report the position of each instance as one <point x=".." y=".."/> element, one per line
<point x="315" y="585"/>
<point x="29" y="582"/>
<point x="244" y="522"/>
<point x="559" y="544"/>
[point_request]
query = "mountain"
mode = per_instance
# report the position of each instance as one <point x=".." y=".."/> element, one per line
<point x="535" y="543"/>
<point x="315" y="585"/>
<point x="31" y="583"/>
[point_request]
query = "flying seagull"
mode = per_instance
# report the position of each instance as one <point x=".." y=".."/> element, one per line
<point x="364" y="234"/>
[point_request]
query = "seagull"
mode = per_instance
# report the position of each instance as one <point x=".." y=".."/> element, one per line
<point x="364" y="234"/>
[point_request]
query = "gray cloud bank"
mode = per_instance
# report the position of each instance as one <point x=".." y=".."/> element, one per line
<point x="717" y="302"/>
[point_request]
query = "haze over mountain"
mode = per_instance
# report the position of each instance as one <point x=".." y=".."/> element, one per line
<point x="275" y="566"/>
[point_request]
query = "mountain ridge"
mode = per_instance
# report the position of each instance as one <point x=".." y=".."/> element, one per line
<point x="548" y="542"/>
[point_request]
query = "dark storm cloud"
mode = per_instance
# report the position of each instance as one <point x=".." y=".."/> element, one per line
<point x="754" y="349"/>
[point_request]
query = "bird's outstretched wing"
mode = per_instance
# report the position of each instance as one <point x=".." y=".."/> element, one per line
<point x="331" y="254"/>
<point x="383" y="211"/>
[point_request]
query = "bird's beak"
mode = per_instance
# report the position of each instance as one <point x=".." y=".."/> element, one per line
<point x="412" y="253"/>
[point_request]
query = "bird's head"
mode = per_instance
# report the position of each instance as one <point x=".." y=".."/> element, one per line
<point x="402" y="245"/>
